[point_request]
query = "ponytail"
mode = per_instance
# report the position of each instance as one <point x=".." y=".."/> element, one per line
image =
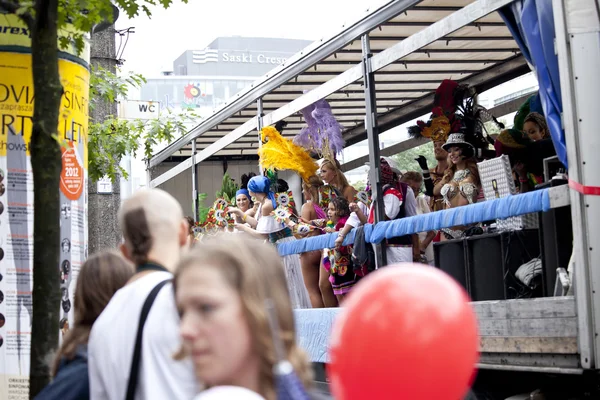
<point x="138" y="235"/>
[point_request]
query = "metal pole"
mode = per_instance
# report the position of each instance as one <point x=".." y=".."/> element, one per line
<point x="148" y="174"/>
<point x="373" y="139"/>
<point x="259" y="107"/>
<point x="194" y="182"/>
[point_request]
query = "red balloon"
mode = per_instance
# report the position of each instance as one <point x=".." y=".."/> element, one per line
<point x="405" y="332"/>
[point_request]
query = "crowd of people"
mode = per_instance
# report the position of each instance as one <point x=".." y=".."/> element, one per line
<point x="164" y="320"/>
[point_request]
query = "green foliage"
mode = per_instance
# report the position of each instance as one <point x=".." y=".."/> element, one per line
<point x="406" y="159"/>
<point x="202" y="208"/>
<point x="77" y="17"/>
<point x="106" y="86"/>
<point x="360" y="185"/>
<point x="228" y="189"/>
<point x="112" y="139"/>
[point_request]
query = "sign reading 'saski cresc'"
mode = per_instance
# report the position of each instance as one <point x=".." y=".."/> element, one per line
<point x="237" y="58"/>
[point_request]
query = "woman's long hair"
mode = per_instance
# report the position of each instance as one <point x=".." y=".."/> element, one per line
<point x="340" y="182"/>
<point x="255" y="271"/>
<point x="312" y="186"/>
<point x="99" y="278"/>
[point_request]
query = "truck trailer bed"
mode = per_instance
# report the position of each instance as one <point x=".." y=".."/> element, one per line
<point x="537" y="335"/>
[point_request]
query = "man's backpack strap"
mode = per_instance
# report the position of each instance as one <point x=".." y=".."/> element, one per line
<point x="137" y="350"/>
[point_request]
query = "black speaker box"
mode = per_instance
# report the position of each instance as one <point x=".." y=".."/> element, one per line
<point x="485" y="265"/>
<point x="450" y="258"/>
<point x="484" y="260"/>
<point x="556" y="236"/>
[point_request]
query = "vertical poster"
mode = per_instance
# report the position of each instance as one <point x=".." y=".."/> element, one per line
<point x="16" y="197"/>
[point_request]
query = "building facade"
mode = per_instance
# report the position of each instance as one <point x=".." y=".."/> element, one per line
<point x="203" y="80"/>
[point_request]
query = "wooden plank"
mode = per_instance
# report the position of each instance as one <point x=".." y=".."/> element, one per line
<point x="530" y="327"/>
<point x="542" y="308"/>
<point x="532" y="362"/>
<point x="529" y="345"/>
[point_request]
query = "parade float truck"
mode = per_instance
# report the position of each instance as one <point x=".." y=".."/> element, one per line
<point x="380" y="72"/>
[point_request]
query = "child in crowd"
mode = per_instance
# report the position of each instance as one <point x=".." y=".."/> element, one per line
<point x="339" y="260"/>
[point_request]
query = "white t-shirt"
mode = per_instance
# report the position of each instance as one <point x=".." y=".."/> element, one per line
<point x="111" y="343"/>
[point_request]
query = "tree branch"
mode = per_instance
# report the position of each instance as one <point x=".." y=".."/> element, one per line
<point x="12" y="8"/>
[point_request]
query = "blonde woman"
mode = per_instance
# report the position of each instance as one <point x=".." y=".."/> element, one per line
<point x="221" y="288"/>
<point x="331" y="173"/>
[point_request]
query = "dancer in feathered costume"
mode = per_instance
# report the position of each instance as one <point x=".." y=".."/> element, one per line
<point x="442" y="122"/>
<point x="455" y="109"/>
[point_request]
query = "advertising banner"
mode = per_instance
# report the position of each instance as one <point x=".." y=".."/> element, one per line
<point x="16" y="197"/>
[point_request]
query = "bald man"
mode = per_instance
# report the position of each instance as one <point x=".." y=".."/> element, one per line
<point x="154" y="233"/>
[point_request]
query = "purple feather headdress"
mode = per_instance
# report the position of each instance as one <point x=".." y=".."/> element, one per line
<point x="322" y="133"/>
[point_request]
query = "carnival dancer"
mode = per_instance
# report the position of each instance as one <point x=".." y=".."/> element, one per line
<point x="244" y="203"/>
<point x="460" y="185"/>
<point x="331" y="173"/>
<point x="265" y="225"/>
<point x="442" y="121"/>
<point x="339" y="259"/>
<point x="526" y="156"/>
<point x="455" y="109"/>
<point x="311" y="260"/>
<point x="535" y="127"/>
<point x="322" y="135"/>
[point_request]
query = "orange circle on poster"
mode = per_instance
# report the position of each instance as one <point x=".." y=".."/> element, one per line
<point x="71" y="176"/>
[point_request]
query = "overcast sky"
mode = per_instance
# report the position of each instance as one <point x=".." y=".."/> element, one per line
<point x="158" y="41"/>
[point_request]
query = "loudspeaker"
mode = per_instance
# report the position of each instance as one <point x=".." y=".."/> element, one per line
<point x="556" y="236"/>
<point x="485" y="267"/>
<point x="450" y="258"/>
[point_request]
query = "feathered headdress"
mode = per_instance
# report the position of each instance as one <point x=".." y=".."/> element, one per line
<point x="473" y="116"/>
<point x="443" y="119"/>
<point x="279" y="153"/>
<point x="322" y="133"/>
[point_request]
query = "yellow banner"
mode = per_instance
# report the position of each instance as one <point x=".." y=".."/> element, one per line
<point x="14" y="32"/>
<point x="17" y="96"/>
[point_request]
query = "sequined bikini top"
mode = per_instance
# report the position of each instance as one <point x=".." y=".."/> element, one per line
<point x="457" y="185"/>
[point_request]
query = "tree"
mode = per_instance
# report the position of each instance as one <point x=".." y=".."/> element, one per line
<point x="113" y="138"/>
<point x="406" y="159"/>
<point x="45" y="19"/>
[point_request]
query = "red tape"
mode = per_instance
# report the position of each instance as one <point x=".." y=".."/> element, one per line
<point x="586" y="190"/>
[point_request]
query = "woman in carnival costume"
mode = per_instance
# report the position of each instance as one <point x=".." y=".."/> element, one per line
<point x="441" y="123"/>
<point x="526" y="156"/>
<point x="322" y="136"/>
<point x="461" y="185"/>
<point x="268" y="224"/>
<point x="311" y="260"/>
<point x="243" y="201"/>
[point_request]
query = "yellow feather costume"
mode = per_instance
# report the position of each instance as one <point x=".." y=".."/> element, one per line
<point x="279" y="153"/>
